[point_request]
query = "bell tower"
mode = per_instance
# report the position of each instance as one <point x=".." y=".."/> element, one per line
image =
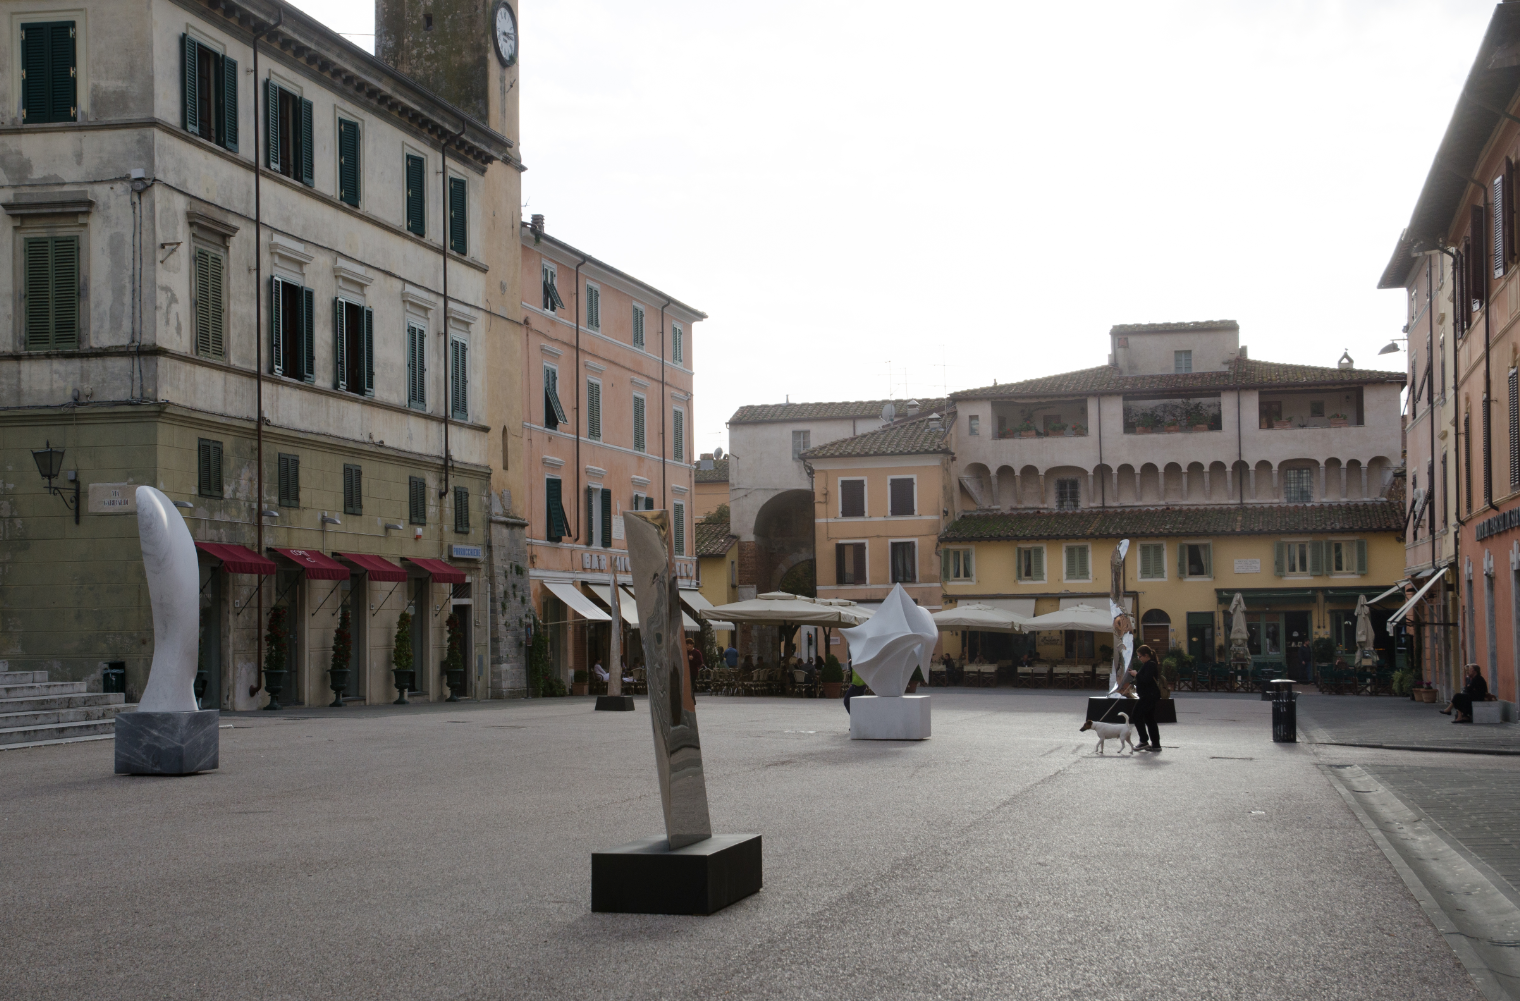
<point x="465" y="51"/>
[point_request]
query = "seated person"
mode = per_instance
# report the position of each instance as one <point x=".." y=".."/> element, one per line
<point x="601" y="672"/>
<point x="627" y="674"/>
<point x="1476" y="691"/>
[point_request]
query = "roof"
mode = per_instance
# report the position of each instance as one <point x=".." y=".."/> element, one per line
<point x="713" y="538"/>
<point x="762" y="412"/>
<point x="1489" y="88"/>
<point x="919" y="436"/>
<point x="1160" y="328"/>
<point x="1227" y="519"/>
<point x="717" y="474"/>
<point x="1242" y="373"/>
<point x="527" y="230"/>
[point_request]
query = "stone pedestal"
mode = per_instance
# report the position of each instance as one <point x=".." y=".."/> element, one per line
<point x="649" y="877"/>
<point x="1101" y="710"/>
<point x="877" y="717"/>
<point x="172" y="743"/>
<point x="614" y="703"/>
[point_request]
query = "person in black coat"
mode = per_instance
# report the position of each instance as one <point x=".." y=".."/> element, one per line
<point x="1145" y="674"/>
<point x="1476" y="691"/>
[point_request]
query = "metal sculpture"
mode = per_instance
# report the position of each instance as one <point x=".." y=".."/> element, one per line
<point x="1124" y="630"/>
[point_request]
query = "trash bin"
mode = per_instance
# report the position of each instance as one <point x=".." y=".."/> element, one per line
<point x="1284" y="712"/>
<point x="113" y="677"/>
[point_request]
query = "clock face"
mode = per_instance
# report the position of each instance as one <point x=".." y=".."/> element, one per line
<point x="506" y="34"/>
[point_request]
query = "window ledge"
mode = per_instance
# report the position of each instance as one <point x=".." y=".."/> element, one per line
<point x="52" y="203"/>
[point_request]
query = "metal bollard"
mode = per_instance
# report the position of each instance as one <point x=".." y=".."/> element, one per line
<point x="1284" y="711"/>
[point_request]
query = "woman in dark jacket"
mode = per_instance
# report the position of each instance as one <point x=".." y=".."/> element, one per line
<point x="1476" y="691"/>
<point x="1145" y="674"/>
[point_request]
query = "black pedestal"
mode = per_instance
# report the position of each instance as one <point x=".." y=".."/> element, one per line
<point x="1107" y="710"/>
<point x="614" y="703"/>
<point x="167" y="743"/>
<point x="648" y="877"/>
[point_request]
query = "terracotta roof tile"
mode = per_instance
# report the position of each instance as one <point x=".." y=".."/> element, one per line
<point x="919" y="436"/>
<point x="1228" y="519"/>
<point x="717" y="474"/>
<point x="713" y="539"/>
<point x="1242" y="373"/>
<point x="761" y="412"/>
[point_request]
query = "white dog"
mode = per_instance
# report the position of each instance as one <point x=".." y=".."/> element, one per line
<point x="1122" y="732"/>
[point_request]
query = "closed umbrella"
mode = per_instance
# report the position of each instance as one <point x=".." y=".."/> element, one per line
<point x="1364" y="635"/>
<point x="1239" y="634"/>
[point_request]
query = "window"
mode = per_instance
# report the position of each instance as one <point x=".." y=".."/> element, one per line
<point x="900" y="491"/>
<point x="679" y="519"/>
<point x="416" y="194"/>
<point x="594" y="409"/>
<point x="1195" y="559"/>
<point x="554" y="414"/>
<point x="1348" y="556"/>
<point x="353" y="489"/>
<point x="677" y="347"/>
<point x="416" y="367"/>
<point x="904" y="562"/>
<point x="1079" y="644"/>
<point x="552" y="301"/>
<point x="801" y="442"/>
<point x="49" y="81"/>
<point x="1270" y="412"/>
<point x="1153" y="561"/>
<point x="292" y="338"/>
<point x="852" y="498"/>
<point x="288" y="127"/>
<point x="459" y="237"/>
<point x="973" y="425"/>
<point x="290" y="480"/>
<point x="1066" y="495"/>
<point x="459" y="380"/>
<point x="1298" y="486"/>
<point x="1467" y="458"/>
<point x="1514" y="427"/>
<point x="957" y="564"/>
<point x="462" y="510"/>
<point x="1499" y="223"/>
<point x="208" y="467"/>
<point x="353" y="347"/>
<point x="349" y="173"/>
<point x="209" y="305"/>
<point x="593" y="307"/>
<point x="640" y="440"/>
<point x="849" y="563"/>
<point x="1029" y="563"/>
<point x="596" y="522"/>
<point x="1295" y="558"/>
<point x="52" y="292"/>
<point x="606" y="519"/>
<point x="208" y="94"/>
<point x="643" y="502"/>
<point x="1182" y="361"/>
<point x="416" y="500"/>
<point x="1078" y="565"/>
<point x="557" y="523"/>
<point x="638" y="326"/>
<point x="1316" y="408"/>
<point x="678" y="434"/>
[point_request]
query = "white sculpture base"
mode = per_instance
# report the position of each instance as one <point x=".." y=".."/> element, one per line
<point x="876" y="717"/>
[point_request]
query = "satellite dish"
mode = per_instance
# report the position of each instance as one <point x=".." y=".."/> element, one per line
<point x="888" y="414"/>
<point x="717" y="453"/>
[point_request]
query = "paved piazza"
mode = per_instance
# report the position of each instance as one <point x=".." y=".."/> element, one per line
<point x="444" y="852"/>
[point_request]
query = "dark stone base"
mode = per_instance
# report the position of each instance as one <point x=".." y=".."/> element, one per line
<point x="1166" y="710"/>
<point x="647" y="877"/>
<point x="167" y="743"/>
<point x="614" y="703"/>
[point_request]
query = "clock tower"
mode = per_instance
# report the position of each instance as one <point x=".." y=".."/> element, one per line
<point x="465" y="51"/>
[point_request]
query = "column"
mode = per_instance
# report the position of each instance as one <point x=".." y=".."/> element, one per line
<point x="1208" y="494"/>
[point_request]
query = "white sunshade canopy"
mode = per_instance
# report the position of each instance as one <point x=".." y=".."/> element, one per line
<point x="1404" y="609"/>
<point x="696" y="603"/>
<point x="974" y="615"/>
<point x="625" y="607"/>
<point x="1095" y="601"/>
<point x="579" y="603"/>
<point x="1022" y="607"/>
<point x="629" y="601"/>
<point x="777" y="607"/>
<point x="1084" y="618"/>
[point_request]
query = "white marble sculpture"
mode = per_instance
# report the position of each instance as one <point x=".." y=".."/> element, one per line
<point x="890" y="645"/>
<point x="173" y="575"/>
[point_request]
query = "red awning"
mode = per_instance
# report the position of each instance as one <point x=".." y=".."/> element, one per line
<point x="377" y="567"/>
<point x="318" y="566"/>
<point x="440" y="571"/>
<point x="238" y="559"/>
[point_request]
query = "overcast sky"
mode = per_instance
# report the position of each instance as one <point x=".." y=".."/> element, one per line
<point x="896" y="199"/>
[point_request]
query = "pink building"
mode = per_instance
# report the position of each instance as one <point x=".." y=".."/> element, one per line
<point x="607" y="427"/>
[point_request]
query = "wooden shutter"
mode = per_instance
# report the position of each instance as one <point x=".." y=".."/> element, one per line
<point x="639" y="438"/>
<point x="1514" y="428"/>
<point x="348" y="162"/>
<point x="593" y="409"/>
<point x="1037" y="563"/>
<point x="461" y="509"/>
<point x="1479" y="240"/>
<point x="369" y="352"/>
<point x="417" y="500"/>
<point x="606" y="519"/>
<point x="1497" y="247"/>
<point x="229" y="103"/>
<point x="944" y="565"/>
<point x="1317" y="559"/>
<point x="63" y="84"/>
<point x="209" y="315"/>
<point x="307" y="173"/>
<point x="49" y="88"/>
<point x="190" y="100"/>
<point x="283" y="465"/>
<point x="638" y="327"/>
<point x="38" y="253"/>
<point x="415" y="205"/>
<point x="306" y="356"/>
<point x="678" y="435"/>
<point x="648" y="503"/>
<point x="1361" y="556"/>
<point x="34" y="79"/>
<point x="680" y="527"/>
<point x="860" y="562"/>
<point x="459" y="380"/>
<point x="840" y="574"/>
<point x="65" y="291"/>
<point x="272" y="123"/>
<point x="1082" y="561"/>
<point x="1071" y="563"/>
<point x="1182" y="567"/>
<point x="554" y="509"/>
<point x="458" y="235"/>
<point x="1279" y="558"/>
<point x="276" y="334"/>
<point x="209" y="467"/>
<point x="340" y="345"/>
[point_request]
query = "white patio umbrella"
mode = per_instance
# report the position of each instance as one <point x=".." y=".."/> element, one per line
<point x="1084" y="618"/>
<point x="777" y="608"/>
<point x="980" y="617"/>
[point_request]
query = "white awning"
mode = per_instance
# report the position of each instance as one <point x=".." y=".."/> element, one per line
<point x="579" y="603"/>
<point x="1399" y="587"/>
<point x="687" y="622"/>
<point x="1096" y="601"/>
<point x="625" y="607"/>
<point x="695" y="603"/>
<point x="1022" y="607"/>
<point x="1404" y="610"/>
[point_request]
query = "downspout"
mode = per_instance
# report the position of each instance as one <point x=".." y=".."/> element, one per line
<point x="448" y="404"/>
<point x="664" y="405"/>
<point x="1488" y="459"/>
<point x="258" y="349"/>
<point x="1430" y="393"/>
<point x="579" y="499"/>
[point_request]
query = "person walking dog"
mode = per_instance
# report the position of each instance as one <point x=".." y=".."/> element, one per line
<point x="1145" y="674"/>
<point x="1476" y="691"/>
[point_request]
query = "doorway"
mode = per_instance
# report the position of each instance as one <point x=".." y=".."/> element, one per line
<point x="421" y="608"/>
<point x="1200" y="637"/>
<point x="358" y="619"/>
<point x="1300" y="662"/>
<point x="208" y="677"/>
<point x="1156" y="631"/>
<point x="466" y="646"/>
<point x="1264" y="631"/>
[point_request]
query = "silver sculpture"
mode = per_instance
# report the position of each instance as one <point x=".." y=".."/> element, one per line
<point x="672" y="709"/>
<point x="1124" y="630"/>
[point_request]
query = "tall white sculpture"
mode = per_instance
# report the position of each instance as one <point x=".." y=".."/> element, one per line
<point x="884" y="651"/>
<point x="168" y="734"/>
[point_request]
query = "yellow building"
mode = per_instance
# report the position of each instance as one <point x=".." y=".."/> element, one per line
<point x="717" y="569"/>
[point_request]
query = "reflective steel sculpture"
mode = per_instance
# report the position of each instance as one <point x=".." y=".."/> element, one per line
<point x="1124" y="630"/>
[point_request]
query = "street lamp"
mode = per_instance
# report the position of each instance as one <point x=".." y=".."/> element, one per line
<point x="50" y="463"/>
<point x="1393" y="346"/>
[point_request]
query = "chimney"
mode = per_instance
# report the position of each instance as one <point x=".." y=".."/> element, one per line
<point x="912" y="408"/>
<point x="536" y="227"/>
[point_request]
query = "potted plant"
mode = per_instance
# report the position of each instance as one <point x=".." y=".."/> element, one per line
<point x="453" y="663"/>
<point x="543" y="680"/>
<point x="1173" y="425"/>
<point x="1339" y="421"/>
<point x="1403" y="682"/>
<point x="1057" y="426"/>
<point x="401" y="659"/>
<point x="1146" y="424"/>
<point x="1323" y="649"/>
<point x="915" y="681"/>
<point x="276" y="643"/>
<point x="1281" y="425"/>
<point x="342" y="651"/>
<point x="1079" y="430"/>
<point x="1026" y="429"/>
<point x="1196" y="418"/>
<point x="578" y="682"/>
<point x="831" y="677"/>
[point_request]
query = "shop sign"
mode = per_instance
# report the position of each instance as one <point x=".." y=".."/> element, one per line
<point x="465" y="552"/>
<point x="1487" y="527"/>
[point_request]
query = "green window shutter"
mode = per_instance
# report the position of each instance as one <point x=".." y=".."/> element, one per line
<point x="1037" y="563"/>
<point x="461" y="509"/>
<point x="415" y="205"/>
<point x="677" y="435"/>
<point x="554" y="509"/>
<point x="1207" y="551"/>
<point x="639" y="438"/>
<point x="1071" y="562"/>
<point x="648" y="503"/>
<point x="1361" y="556"/>
<point x="1279" y="558"/>
<point x="209" y="467"/>
<point x="34" y="73"/>
<point x="202" y="302"/>
<point x="593" y="409"/>
<point x="1181" y="560"/>
<point x="1316" y="559"/>
<point x="1084" y="569"/>
<point x="459" y="380"/>
<point x="348" y="162"/>
<point x="307" y="146"/>
<point x="593" y="307"/>
<point x="276" y="327"/>
<point x="638" y="327"/>
<point x="416" y="367"/>
<point x="340" y="345"/>
<point x="38" y="254"/>
<point x="290" y="480"/>
<point x="49" y="87"/>
<point x="284" y="478"/>
<point x="217" y="292"/>
<point x="64" y="83"/>
<point x="230" y="103"/>
<point x="272" y="123"/>
<point x="606" y="519"/>
<point x="353" y="489"/>
<point x="417" y="500"/>
<point x="369" y="352"/>
<point x="65" y="291"/>
<point x="679" y="517"/>
<point x="308" y="354"/>
<point x="190" y="98"/>
<point x="459" y="241"/>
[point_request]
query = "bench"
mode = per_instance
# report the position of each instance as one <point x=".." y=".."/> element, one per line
<point x="1493" y="711"/>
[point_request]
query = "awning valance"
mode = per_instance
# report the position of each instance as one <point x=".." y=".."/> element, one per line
<point x="238" y="559"/>
<point x="440" y="571"/>
<point x="687" y="622"/>
<point x="579" y="603"/>
<point x="377" y="567"/>
<point x="1404" y="609"/>
<point x="626" y="609"/>
<point x="1022" y="607"/>
<point x="318" y="566"/>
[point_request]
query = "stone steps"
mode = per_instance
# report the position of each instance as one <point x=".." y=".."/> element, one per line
<point x="75" y="700"/>
<point x="80" y="714"/>
<point x="56" y="731"/>
<point x="23" y="677"/>
<point x="33" y="689"/>
<point x="34" y="710"/>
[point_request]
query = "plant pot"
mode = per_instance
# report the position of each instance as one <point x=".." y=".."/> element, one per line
<point x="274" y="683"/>
<point x="1173" y="428"/>
<point x="831" y="689"/>
<point x="404" y="678"/>
<point x="1339" y="422"/>
<point x="1142" y="429"/>
<point x="455" y="681"/>
<point x="337" y="678"/>
<point x="579" y="687"/>
<point x="1079" y="432"/>
<point x="1425" y="694"/>
<point x="1028" y="434"/>
<point x="1200" y="427"/>
<point x="1281" y="425"/>
<point x="912" y="687"/>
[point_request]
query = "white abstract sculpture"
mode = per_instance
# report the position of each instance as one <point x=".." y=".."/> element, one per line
<point x="173" y="575"/>
<point x="888" y="647"/>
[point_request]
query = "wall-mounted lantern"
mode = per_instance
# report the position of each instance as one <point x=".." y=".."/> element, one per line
<point x="50" y="465"/>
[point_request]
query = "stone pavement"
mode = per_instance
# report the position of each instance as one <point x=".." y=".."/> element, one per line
<point x="1385" y="721"/>
<point x="445" y="853"/>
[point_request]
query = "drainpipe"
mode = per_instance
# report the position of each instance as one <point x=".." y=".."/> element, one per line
<point x="664" y="450"/>
<point x="258" y="349"/>
<point x="579" y="499"/>
<point x="1488" y="459"/>
<point x="448" y="404"/>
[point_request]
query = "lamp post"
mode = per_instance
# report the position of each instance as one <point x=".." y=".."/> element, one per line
<point x="50" y="463"/>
